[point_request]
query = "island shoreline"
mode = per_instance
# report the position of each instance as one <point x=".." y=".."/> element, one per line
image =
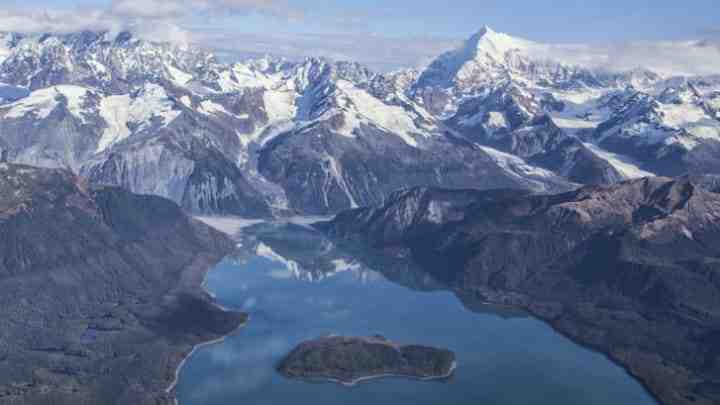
<point x="360" y="380"/>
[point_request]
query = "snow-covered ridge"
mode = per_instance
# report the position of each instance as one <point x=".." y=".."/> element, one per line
<point x="136" y="111"/>
<point x="140" y="113"/>
<point x="6" y="43"/>
<point x="495" y="45"/>
<point x="625" y="165"/>
<point x="42" y="103"/>
<point x="363" y="108"/>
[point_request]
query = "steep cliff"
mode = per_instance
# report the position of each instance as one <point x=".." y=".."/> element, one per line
<point x="101" y="292"/>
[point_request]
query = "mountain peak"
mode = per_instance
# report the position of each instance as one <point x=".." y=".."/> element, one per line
<point x="487" y="42"/>
<point x="485" y="30"/>
<point x="481" y="58"/>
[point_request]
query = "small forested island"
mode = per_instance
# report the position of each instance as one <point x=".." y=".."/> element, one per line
<point x="349" y="360"/>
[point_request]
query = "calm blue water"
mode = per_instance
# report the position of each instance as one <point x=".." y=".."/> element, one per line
<point x="501" y="359"/>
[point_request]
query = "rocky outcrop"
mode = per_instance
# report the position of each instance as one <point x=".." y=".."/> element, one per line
<point x="196" y="176"/>
<point x="629" y="269"/>
<point x="322" y="172"/>
<point x="514" y="120"/>
<point x="349" y="360"/>
<point x="100" y="291"/>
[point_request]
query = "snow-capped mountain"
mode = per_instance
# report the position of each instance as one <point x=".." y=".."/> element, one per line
<point x="487" y="60"/>
<point x="670" y="131"/>
<point x="319" y="136"/>
<point x="613" y="125"/>
<point x="97" y="60"/>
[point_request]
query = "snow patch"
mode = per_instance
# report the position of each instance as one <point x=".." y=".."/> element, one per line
<point x="212" y="108"/>
<point x="623" y="164"/>
<point x="120" y="112"/>
<point x="513" y="162"/>
<point x="516" y="166"/>
<point x="334" y="171"/>
<point x="246" y="76"/>
<point x="582" y="109"/>
<point x="5" y="42"/>
<point x="496" y="120"/>
<point x="44" y="101"/>
<point x="279" y="105"/>
<point x="267" y="252"/>
<point x="342" y="265"/>
<point x="436" y="211"/>
<point x="364" y="108"/>
<point x="178" y="76"/>
<point x="693" y="118"/>
<point x="186" y="101"/>
<point x="115" y="110"/>
<point x="228" y="225"/>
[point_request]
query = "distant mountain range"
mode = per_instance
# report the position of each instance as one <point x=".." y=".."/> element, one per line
<point x="317" y="136"/>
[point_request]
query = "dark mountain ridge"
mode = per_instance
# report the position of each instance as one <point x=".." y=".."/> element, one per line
<point x="101" y="292"/>
<point x="630" y="269"/>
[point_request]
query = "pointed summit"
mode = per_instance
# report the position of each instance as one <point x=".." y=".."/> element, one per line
<point x="485" y="30"/>
<point x="489" y="43"/>
<point x="483" y="58"/>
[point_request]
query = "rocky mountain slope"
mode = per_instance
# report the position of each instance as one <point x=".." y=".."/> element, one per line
<point x="101" y="291"/>
<point x="318" y="136"/>
<point x="630" y="269"/>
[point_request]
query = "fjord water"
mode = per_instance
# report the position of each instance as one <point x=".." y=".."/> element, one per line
<point x="310" y="290"/>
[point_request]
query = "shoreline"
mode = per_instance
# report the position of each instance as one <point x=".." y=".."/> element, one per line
<point x="522" y="306"/>
<point x="359" y="380"/>
<point x="203" y="287"/>
<point x="606" y="354"/>
<point x="526" y="307"/>
<point x="194" y="349"/>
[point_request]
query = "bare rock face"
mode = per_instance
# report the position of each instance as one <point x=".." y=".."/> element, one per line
<point x="630" y="269"/>
<point x="349" y="360"/>
<point x="100" y="291"/>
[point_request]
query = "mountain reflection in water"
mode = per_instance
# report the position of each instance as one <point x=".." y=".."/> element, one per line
<point x="298" y="285"/>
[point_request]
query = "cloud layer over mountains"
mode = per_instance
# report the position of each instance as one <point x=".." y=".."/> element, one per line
<point x="193" y="21"/>
<point x="139" y="15"/>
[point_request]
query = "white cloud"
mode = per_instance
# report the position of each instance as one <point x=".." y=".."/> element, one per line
<point x="384" y="53"/>
<point x="163" y="31"/>
<point x="144" y="9"/>
<point x="379" y="52"/>
<point x="164" y="20"/>
<point x="56" y="20"/>
<point x="160" y="20"/>
<point x="166" y="9"/>
<point x="666" y="57"/>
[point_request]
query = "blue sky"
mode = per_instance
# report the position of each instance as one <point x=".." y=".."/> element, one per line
<point x="389" y="32"/>
<point x="554" y="21"/>
<point x="558" y="20"/>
